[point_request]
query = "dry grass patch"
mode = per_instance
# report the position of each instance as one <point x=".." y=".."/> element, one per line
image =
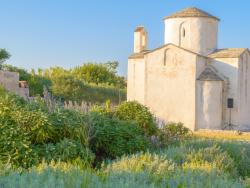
<point x="223" y="135"/>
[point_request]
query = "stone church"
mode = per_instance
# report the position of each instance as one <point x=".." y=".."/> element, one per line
<point x="189" y="79"/>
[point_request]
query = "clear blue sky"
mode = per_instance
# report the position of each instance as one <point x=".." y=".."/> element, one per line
<point x="44" y="33"/>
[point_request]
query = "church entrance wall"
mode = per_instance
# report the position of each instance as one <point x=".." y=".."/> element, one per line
<point x="209" y="104"/>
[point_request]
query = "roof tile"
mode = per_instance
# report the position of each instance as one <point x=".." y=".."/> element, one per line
<point x="227" y="53"/>
<point x="191" y="12"/>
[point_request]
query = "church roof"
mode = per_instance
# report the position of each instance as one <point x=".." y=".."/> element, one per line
<point x="209" y="75"/>
<point x="139" y="55"/>
<point x="191" y="12"/>
<point x="228" y="53"/>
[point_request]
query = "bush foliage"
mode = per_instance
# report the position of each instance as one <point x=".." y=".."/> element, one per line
<point x="31" y="133"/>
<point x="134" y="111"/>
<point x="113" y="138"/>
<point x="142" y="162"/>
<point x="59" y="148"/>
<point x="172" y="133"/>
<point x="66" y="151"/>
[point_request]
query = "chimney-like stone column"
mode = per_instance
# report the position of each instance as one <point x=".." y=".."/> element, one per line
<point x="140" y="39"/>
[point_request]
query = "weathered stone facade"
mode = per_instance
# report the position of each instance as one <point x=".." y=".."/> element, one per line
<point x="188" y="79"/>
<point x="10" y="81"/>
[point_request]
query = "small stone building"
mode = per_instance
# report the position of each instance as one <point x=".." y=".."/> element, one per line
<point x="189" y="79"/>
<point x="10" y="81"/>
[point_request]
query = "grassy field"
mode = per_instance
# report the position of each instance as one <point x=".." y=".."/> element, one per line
<point x="195" y="162"/>
<point x="227" y="135"/>
<point x="105" y="148"/>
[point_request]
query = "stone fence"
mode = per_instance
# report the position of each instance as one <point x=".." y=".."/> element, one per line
<point x="84" y="106"/>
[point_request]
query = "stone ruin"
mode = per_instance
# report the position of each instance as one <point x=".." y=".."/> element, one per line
<point x="10" y="81"/>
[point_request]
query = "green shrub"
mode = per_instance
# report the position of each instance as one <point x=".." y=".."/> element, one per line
<point x="57" y="166"/>
<point x="207" y="158"/>
<point x="133" y="111"/>
<point x="67" y="151"/>
<point x="238" y="151"/>
<point x="33" y="121"/>
<point x="215" y="156"/>
<point x="30" y="133"/>
<point x="112" y="138"/>
<point x="15" y="144"/>
<point x="69" y="124"/>
<point x="103" y="110"/>
<point x="36" y="124"/>
<point x="143" y="162"/>
<point x="171" y="133"/>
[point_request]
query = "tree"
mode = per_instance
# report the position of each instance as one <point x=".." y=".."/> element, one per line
<point x="94" y="73"/>
<point x="99" y="74"/>
<point x="67" y="87"/>
<point x="112" y="66"/>
<point x="4" y="55"/>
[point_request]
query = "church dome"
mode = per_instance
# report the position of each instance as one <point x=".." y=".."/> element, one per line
<point x="192" y="12"/>
<point x="192" y="29"/>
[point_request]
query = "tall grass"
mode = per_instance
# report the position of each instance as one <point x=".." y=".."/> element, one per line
<point x="75" y="178"/>
<point x="194" y="163"/>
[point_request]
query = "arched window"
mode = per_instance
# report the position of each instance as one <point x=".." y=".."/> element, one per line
<point x="183" y="32"/>
<point x="165" y="57"/>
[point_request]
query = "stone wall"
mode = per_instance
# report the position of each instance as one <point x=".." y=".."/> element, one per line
<point x="136" y="80"/>
<point x="165" y="80"/>
<point x="244" y="91"/>
<point x="236" y="74"/>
